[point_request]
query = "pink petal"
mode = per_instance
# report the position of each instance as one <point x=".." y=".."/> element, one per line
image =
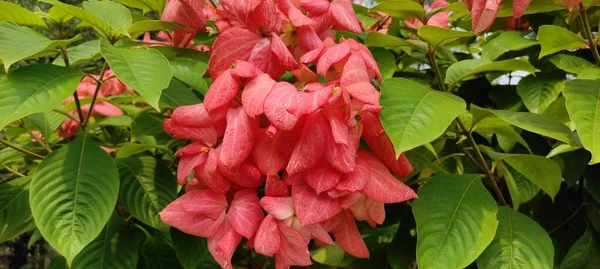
<point x="341" y="156"/>
<point x="343" y="14"/>
<point x="308" y="38"/>
<point x="282" y="52"/>
<point x="223" y="244"/>
<point x="383" y="187"/>
<point x="204" y="201"/>
<point x="357" y="179"/>
<point x="318" y="232"/>
<point x="275" y="187"/>
<point x="298" y="19"/>
<point x="230" y="45"/>
<point x="192" y="115"/>
<point x="206" y="135"/>
<point x="267" y="153"/>
<point x="339" y="128"/>
<point x="483" y="14"/>
<point x="245" y="69"/>
<point x="255" y="93"/>
<point x="311" y="207"/>
<point x="279" y="207"/>
<point x="371" y="124"/>
<point x="313" y="97"/>
<point x="239" y="138"/>
<point x="322" y="178"/>
<point x="356" y="81"/>
<point x="247" y="175"/>
<point x="293" y="249"/>
<point x="210" y="176"/>
<point x="315" y="6"/>
<point x="376" y="210"/>
<point x="332" y="55"/>
<point x="265" y="60"/>
<point x="106" y="109"/>
<point x="222" y="91"/>
<point x="267" y="239"/>
<point x="276" y="104"/>
<point x="519" y="7"/>
<point x="349" y="239"/>
<point x="245" y="213"/>
<point x="195" y="224"/>
<point x="186" y="166"/>
<point x="384" y="149"/>
<point x="311" y="145"/>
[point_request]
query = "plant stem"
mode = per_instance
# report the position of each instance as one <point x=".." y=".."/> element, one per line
<point x="37" y="139"/>
<point x="588" y="33"/>
<point x="8" y="144"/>
<point x="67" y="115"/>
<point x="482" y="163"/>
<point x="98" y="86"/>
<point x="65" y="57"/>
<point x="15" y="172"/>
<point x="212" y="3"/>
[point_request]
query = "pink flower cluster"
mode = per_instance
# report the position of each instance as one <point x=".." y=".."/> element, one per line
<point x="288" y="149"/>
<point x="87" y="87"/>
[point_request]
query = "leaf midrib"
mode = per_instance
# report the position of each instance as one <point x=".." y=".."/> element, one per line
<point x="76" y="193"/>
<point x="146" y="191"/>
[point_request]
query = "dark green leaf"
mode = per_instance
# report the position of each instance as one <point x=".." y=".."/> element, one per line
<point x="15" y="215"/>
<point x="190" y="72"/>
<point x="584" y="254"/>
<point x="538" y="92"/>
<point x="505" y="42"/>
<point x="46" y="123"/>
<point x="583" y="104"/>
<point x="541" y="171"/>
<point x="177" y="95"/>
<point x="192" y="251"/>
<point x="148" y="124"/>
<point x="467" y="69"/>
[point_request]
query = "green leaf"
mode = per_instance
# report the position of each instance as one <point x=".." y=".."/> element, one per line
<point x="520" y="188"/>
<point x="583" y="105"/>
<point x="46" y="123"/>
<point x="91" y="17"/>
<point x="157" y="253"/>
<point x="117" y="120"/>
<point x="554" y="39"/>
<point x="385" y="60"/>
<point x="437" y="36"/>
<point x="176" y="95"/>
<point x="145" y="5"/>
<point x="15" y="215"/>
<point x="148" y="124"/>
<point x="20" y="42"/>
<point x="151" y="25"/>
<point x="192" y="251"/>
<point x="456" y="220"/>
<point x="114" y="248"/>
<point x="505" y="42"/>
<point x="73" y="193"/>
<point x="331" y="255"/>
<point x="535" y="6"/>
<point x="413" y="114"/>
<point x="584" y="254"/>
<point x="519" y="243"/>
<point x="21" y="16"/>
<point x="538" y="92"/>
<point x="34" y="89"/>
<point x="467" y="69"/>
<point x="541" y="171"/>
<point x="144" y="69"/>
<point x="589" y="73"/>
<point x="190" y="72"/>
<point x="499" y="127"/>
<point x="113" y="13"/>
<point x="376" y="39"/>
<point x="82" y="53"/>
<point x="130" y="149"/>
<point x="147" y="186"/>
<point x="401" y="9"/>
<point x="570" y="63"/>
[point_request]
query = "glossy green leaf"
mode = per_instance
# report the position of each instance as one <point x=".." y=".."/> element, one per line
<point x="413" y="114"/>
<point x="34" y="89"/>
<point x="130" y="149"/>
<point x="467" y="69"/>
<point x="555" y="38"/>
<point x="589" y="73"/>
<point x="151" y="25"/>
<point x="331" y="255"/>
<point x="519" y="243"/>
<point x="385" y="60"/>
<point x="437" y="36"/>
<point x="116" y="247"/>
<point x="584" y="254"/>
<point x="117" y="120"/>
<point x="148" y="124"/>
<point x="21" y="16"/>
<point x="145" y="5"/>
<point x="570" y="63"/>
<point x="538" y="92"/>
<point x="147" y="186"/>
<point x="520" y="188"/>
<point x="144" y="69"/>
<point x="494" y="125"/>
<point x="583" y="104"/>
<point x="73" y="193"/>
<point x="157" y="253"/>
<point x="541" y="171"/>
<point x="176" y="95"/>
<point x="456" y="220"/>
<point x="535" y="6"/>
<point x="505" y="42"/>
<point x="46" y="123"/>
<point x="82" y="53"/>
<point x="113" y="13"/>
<point x="401" y="9"/>
<point x="15" y="215"/>
<point x="20" y="42"/>
<point x="190" y="72"/>
<point x="376" y="39"/>
<point x="192" y="251"/>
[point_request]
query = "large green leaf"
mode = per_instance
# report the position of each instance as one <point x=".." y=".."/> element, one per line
<point x="437" y="36"/>
<point x="147" y="186"/>
<point x="505" y="42"/>
<point x="584" y="254"/>
<point x="413" y="114"/>
<point x="20" y="42"/>
<point x="401" y="9"/>
<point x="589" y="73"/>
<point x="157" y="253"/>
<point x="385" y="60"/>
<point x="376" y="39"/>
<point x="535" y="6"/>
<point x="145" y="5"/>
<point x="19" y="15"/>
<point x="116" y="247"/>
<point x="541" y="171"/>
<point x="34" y="89"/>
<point x="148" y="124"/>
<point x="82" y="53"/>
<point x="583" y="104"/>
<point x="520" y="188"/>
<point x="192" y="251"/>
<point x="113" y="13"/>
<point x="519" y="243"/>
<point x="151" y="25"/>
<point x="538" y="92"/>
<point x="467" y="69"/>
<point x="176" y="95"/>
<point x="494" y="125"/>
<point x="73" y="193"/>
<point x="130" y="149"/>
<point x="190" y="72"/>
<point x="145" y="70"/>
<point x="555" y="38"/>
<point x="46" y="123"/>
<point x="570" y="63"/>
<point x="456" y="220"/>
<point x="15" y="215"/>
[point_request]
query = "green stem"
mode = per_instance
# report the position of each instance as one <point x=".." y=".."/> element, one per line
<point x="98" y="86"/>
<point x="67" y="115"/>
<point x="8" y="144"/>
<point x="14" y="172"/>
<point x="65" y="57"/>
<point x="588" y="33"/>
<point x="436" y="70"/>
<point x="40" y="141"/>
